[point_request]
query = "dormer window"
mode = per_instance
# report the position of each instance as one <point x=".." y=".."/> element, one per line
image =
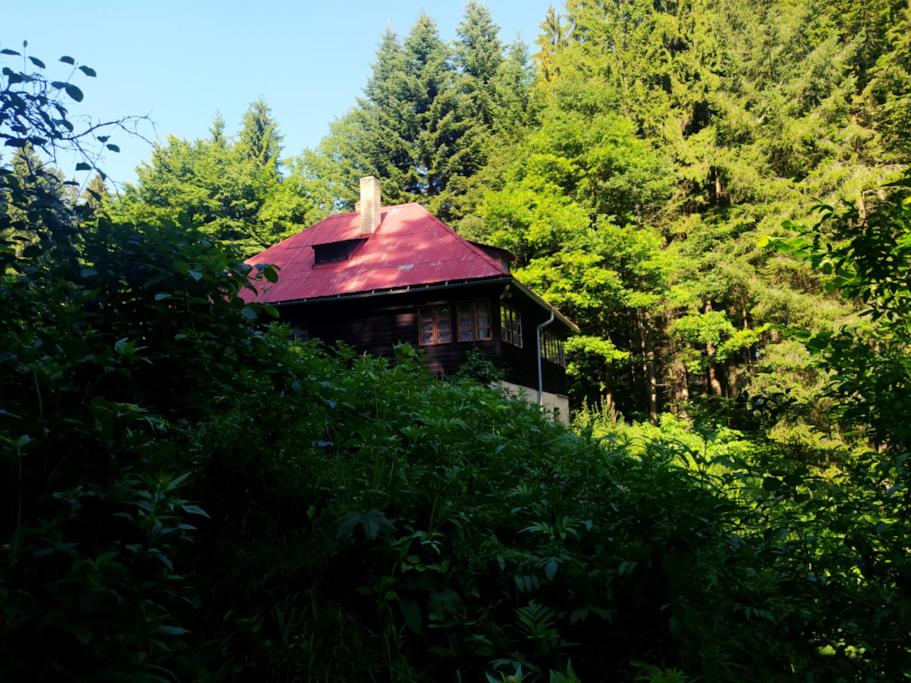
<point x="336" y="251"/>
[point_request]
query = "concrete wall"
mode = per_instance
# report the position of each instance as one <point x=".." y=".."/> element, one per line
<point x="556" y="405"/>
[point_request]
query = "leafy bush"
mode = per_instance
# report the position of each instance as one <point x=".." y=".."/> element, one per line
<point x="188" y="494"/>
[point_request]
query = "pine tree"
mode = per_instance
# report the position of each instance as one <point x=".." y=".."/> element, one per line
<point x="751" y="113"/>
<point x="217" y="130"/>
<point x="259" y="139"/>
<point x="887" y="96"/>
<point x="551" y="41"/>
<point x="33" y="192"/>
<point x="423" y="124"/>
<point x="479" y="55"/>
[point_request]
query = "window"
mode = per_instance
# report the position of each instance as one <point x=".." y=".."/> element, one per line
<point x="510" y="326"/>
<point x="474" y="321"/>
<point x="552" y="349"/>
<point x="336" y="251"/>
<point x="435" y="324"/>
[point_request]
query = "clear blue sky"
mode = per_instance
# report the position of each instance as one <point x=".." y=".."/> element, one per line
<point x="180" y="62"/>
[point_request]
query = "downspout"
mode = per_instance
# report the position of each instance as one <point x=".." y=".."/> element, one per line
<point x="540" y="375"/>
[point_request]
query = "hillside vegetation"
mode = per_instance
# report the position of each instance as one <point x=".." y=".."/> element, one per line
<point x="717" y="192"/>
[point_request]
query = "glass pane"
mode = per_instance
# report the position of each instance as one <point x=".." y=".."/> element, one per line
<point x="483" y="329"/>
<point x="426" y="323"/>
<point x="483" y="315"/>
<point x="466" y="323"/>
<point x="444" y="325"/>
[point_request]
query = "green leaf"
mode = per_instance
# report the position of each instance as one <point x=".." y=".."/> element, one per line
<point x="37" y="62"/>
<point x="375" y="522"/>
<point x="88" y="71"/>
<point x="7" y="51"/>
<point x="248" y="313"/>
<point x="73" y="92"/>
<point x="412" y="614"/>
<point x="172" y="630"/>
<point x="161" y="296"/>
<point x="196" y="510"/>
<point x="82" y="166"/>
<point x="66" y="59"/>
<point x="550" y="569"/>
<point x="113" y="147"/>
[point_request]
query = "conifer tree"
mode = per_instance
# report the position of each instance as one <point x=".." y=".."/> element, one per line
<point x="217" y="130"/>
<point x="479" y="55"/>
<point x="424" y="124"/>
<point x="260" y="140"/>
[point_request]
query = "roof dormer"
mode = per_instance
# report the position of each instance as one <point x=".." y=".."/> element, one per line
<point x="330" y="252"/>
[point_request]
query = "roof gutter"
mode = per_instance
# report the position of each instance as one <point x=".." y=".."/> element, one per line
<point x="538" y="343"/>
<point x="398" y="290"/>
<point x="436" y="286"/>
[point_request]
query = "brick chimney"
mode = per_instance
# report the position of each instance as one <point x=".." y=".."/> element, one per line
<point x="369" y="206"/>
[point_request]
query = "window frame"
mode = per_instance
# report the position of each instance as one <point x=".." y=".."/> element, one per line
<point x="434" y="320"/>
<point x="511" y="326"/>
<point x="552" y="349"/>
<point x="475" y="307"/>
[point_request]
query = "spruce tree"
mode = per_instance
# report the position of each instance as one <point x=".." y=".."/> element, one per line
<point x="479" y="55"/>
<point x="260" y="140"/>
<point x="217" y="130"/>
<point x="423" y="125"/>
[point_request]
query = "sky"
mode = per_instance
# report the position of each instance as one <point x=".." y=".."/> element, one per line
<point x="181" y="62"/>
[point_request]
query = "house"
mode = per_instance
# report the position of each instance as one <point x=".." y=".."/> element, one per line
<point x="389" y="274"/>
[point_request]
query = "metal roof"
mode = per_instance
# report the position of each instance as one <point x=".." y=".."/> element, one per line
<point x="410" y="247"/>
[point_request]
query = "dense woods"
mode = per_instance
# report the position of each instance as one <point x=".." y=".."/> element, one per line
<point x="718" y="192"/>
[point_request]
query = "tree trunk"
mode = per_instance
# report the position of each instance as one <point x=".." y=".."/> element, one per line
<point x="677" y="377"/>
<point x="714" y="384"/>
<point x="648" y="365"/>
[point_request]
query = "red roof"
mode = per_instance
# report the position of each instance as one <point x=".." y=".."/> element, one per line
<point x="410" y="247"/>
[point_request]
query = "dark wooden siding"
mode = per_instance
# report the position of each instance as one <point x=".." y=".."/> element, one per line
<point x="521" y="363"/>
<point x="375" y="324"/>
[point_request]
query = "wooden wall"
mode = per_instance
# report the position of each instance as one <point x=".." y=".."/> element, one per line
<point x="375" y="324"/>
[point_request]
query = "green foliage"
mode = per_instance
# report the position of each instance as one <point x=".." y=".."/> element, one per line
<point x="411" y="532"/>
<point x="701" y="126"/>
<point x="233" y="192"/>
<point x="260" y="141"/>
<point x="99" y="329"/>
<point x="189" y="494"/>
<point x="864" y="253"/>
<point x="426" y="124"/>
<point x="479" y="367"/>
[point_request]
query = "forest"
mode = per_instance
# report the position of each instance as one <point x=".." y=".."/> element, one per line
<point x="718" y="192"/>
